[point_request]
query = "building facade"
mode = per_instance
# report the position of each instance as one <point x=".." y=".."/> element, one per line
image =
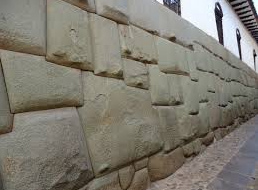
<point x="231" y="22"/>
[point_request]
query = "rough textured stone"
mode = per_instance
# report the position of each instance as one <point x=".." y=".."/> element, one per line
<point x="135" y="74"/>
<point x="6" y="118"/>
<point x="116" y="10"/>
<point x="140" y="180"/>
<point x="140" y="164"/>
<point x="214" y="115"/>
<point x="191" y="60"/>
<point x="110" y="181"/>
<point x="208" y="139"/>
<point x="34" y="84"/>
<point x="106" y="46"/>
<point x="88" y="5"/>
<point x="175" y="89"/>
<point x="22" y="26"/>
<point x="204" y="126"/>
<point x="116" y="116"/>
<point x="193" y="148"/>
<point x="137" y="44"/>
<point x="126" y="176"/>
<point x="162" y="165"/>
<point x="68" y="35"/>
<point x="171" y="57"/>
<point x="45" y="150"/>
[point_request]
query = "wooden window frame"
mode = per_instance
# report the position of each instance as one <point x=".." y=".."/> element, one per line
<point x="218" y="16"/>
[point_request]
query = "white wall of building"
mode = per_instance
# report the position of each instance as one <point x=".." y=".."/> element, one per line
<point x="201" y="14"/>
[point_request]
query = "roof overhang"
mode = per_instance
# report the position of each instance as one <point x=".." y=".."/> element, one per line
<point x="246" y="12"/>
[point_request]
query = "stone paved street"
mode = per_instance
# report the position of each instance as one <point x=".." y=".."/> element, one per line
<point x="228" y="164"/>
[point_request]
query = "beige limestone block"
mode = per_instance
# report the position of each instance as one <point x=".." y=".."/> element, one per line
<point x="126" y="176"/>
<point x="88" y="5"/>
<point x="191" y="61"/>
<point x="107" y="182"/>
<point x="106" y="47"/>
<point x="175" y="89"/>
<point x="140" y="164"/>
<point x="45" y="150"/>
<point x="171" y="57"/>
<point x="23" y="26"/>
<point x="202" y="87"/>
<point x="163" y="165"/>
<point x="35" y="84"/>
<point x="159" y="87"/>
<point x="140" y="181"/>
<point x="204" y="116"/>
<point x="192" y="148"/>
<point x="116" y="116"/>
<point x="6" y="118"/>
<point x="137" y="44"/>
<point x="135" y="74"/>
<point x="68" y="35"/>
<point x="214" y="115"/>
<point x="116" y="10"/>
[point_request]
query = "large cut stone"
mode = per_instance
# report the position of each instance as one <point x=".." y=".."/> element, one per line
<point x="107" y="182"/>
<point x="126" y="176"/>
<point x="191" y="60"/>
<point x="116" y="116"/>
<point x="116" y="10"/>
<point x="177" y="126"/>
<point x="192" y="148"/>
<point x="106" y="46"/>
<point x="140" y="164"/>
<point x="135" y="74"/>
<point x="45" y="150"/>
<point x="88" y="5"/>
<point x="171" y="57"/>
<point x="163" y="165"/>
<point x="68" y="35"/>
<point x="6" y="118"/>
<point x="34" y="84"/>
<point x="140" y="181"/>
<point x="204" y="116"/>
<point x="23" y="26"/>
<point x="137" y="44"/>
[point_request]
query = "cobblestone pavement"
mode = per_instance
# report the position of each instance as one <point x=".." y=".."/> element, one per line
<point x="228" y="164"/>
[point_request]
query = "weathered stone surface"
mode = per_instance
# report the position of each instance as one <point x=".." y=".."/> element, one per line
<point x="22" y="26"/>
<point x="6" y="118"/>
<point x="140" y="164"/>
<point x="162" y="165"/>
<point x="140" y="180"/>
<point x="116" y="116"/>
<point x="135" y="74"/>
<point x="126" y="176"/>
<point x="68" y="35"/>
<point x="137" y="44"/>
<point x="45" y="150"/>
<point x="226" y="116"/>
<point x="175" y="89"/>
<point x="190" y="95"/>
<point x="106" y="46"/>
<point x="171" y="57"/>
<point x="208" y="139"/>
<point x="116" y="10"/>
<point x="202" y="87"/>
<point x="88" y="5"/>
<point x="191" y="61"/>
<point x="204" y="119"/>
<point x="193" y="148"/>
<point x="1" y="183"/>
<point x="110" y="181"/>
<point x="34" y="84"/>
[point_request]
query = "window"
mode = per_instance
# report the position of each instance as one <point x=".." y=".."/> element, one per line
<point x="254" y="55"/>
<point x="174" y="5"/>
<point x="219" y="16"/>
<point x="238" y="35"/>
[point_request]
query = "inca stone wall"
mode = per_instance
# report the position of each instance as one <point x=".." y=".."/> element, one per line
<point x="110" y="94"/>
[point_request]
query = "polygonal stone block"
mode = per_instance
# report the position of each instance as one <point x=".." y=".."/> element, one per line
<point x="135" y="74"/>
<point x="115" y="116"/>
<point x="23" y="26"/>
<point x="140" y="181"/>
<point x="204" y="126"/>
<point x="192" y="148"/>
<point x="191" y="60"/>
<point x="126" y="175"/>
<point x="68" y="35"/>
<point x="35" y="84"/>
<point x="163" y="165"/>
<point x="171" y="57"/>
<point x="137" y="44"/>
<point x="6" y="118"/>
<point x="116" y="10"/>
<point x="49" y="144"/>
<point x="106" y="47"/>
